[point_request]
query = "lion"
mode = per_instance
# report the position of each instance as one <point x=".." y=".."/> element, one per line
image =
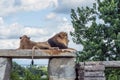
<point x="59" y="40"/>
<point x="26" y="43"/>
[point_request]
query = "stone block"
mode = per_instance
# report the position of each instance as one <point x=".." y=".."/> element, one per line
<point x="5" y="68"/>
<point x="94" y="74"/>
<point x="61" y="69"/>
<point x="94" y="78"/>
<point x="94" y="68"/>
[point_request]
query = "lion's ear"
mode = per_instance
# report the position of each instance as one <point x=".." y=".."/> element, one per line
<point x="20" y="37"/>
<point x="60" y="35"/>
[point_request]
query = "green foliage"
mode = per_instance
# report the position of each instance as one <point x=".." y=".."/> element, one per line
<point x="31" y="76"/>
<point x="112" y="74"/>
<point x="15" y="75"/>
<point x="98" y="30"/>
<point x="16" y="68"/>
<point x="31" y="72"/>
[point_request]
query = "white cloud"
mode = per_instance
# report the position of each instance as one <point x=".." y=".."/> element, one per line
<point x="34" y="31"/>
<point x="13" y="6"/>
<point x="65" y="6"/>
<point x="9" y="34"/>
<point x="1" y="21"/>
<point x="9" y="43"/>
<point x="7" y="6"/>
<point x="51" y="16"/>
<point x="61" y="23"/>
<point x="58" y="18"/>
<point x="77" y="3"/>
<point x="67" y="27"/>
<point x="15" y="30"/>
<point x="36" y="4"/>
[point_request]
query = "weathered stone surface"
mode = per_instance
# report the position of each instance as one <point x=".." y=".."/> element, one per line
<point x="112" y="64"/>
<point x="92" y="63"/>
<point x="105" y="63"/>
<point x="5" y="68"/>
<point x="94" y="74"/>
<point x="56" y="78"/>
<point x="94" y="78"/>
<point x="27" y="53"/>
<point x="95" y="68"/>
<point x="61" y="69"/>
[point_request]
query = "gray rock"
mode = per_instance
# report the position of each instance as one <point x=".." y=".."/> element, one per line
<point x="61" y="69"/>
<point x="5" y="68"/>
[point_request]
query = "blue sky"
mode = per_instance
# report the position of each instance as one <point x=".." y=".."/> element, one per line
<point x="39" y="19"/>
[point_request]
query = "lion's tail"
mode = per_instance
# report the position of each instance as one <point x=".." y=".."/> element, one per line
<point x="33" y="53"/>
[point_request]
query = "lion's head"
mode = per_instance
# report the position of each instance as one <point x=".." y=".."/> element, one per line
<point x="59" y="40"/>
<point x="24" y="38"/>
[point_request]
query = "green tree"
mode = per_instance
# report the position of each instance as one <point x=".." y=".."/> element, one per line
<point x="18" y="69"/>
<point x="34" y="73"/>
<point x="31" y="72"/>
<point x="31" y="76"/>
<point x="97" y="28"/>
<point x="15" y="75"/>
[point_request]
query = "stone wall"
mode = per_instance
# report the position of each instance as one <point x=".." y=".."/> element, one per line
<point x="90" y="71"/>
<point x="5" y="68"/>
<point x="61" y="69"/>
<point x="61" y="66"/>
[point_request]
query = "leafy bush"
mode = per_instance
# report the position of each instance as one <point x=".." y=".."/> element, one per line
<point x="31" y="72"/>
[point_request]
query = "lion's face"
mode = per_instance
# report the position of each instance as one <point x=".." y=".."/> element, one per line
<point x="24" y="38"/>
<point x="64" y="38"/>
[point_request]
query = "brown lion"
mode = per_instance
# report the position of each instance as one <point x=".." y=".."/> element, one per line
<point x="59" y="40"/>
<point x="26" y="43"/>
